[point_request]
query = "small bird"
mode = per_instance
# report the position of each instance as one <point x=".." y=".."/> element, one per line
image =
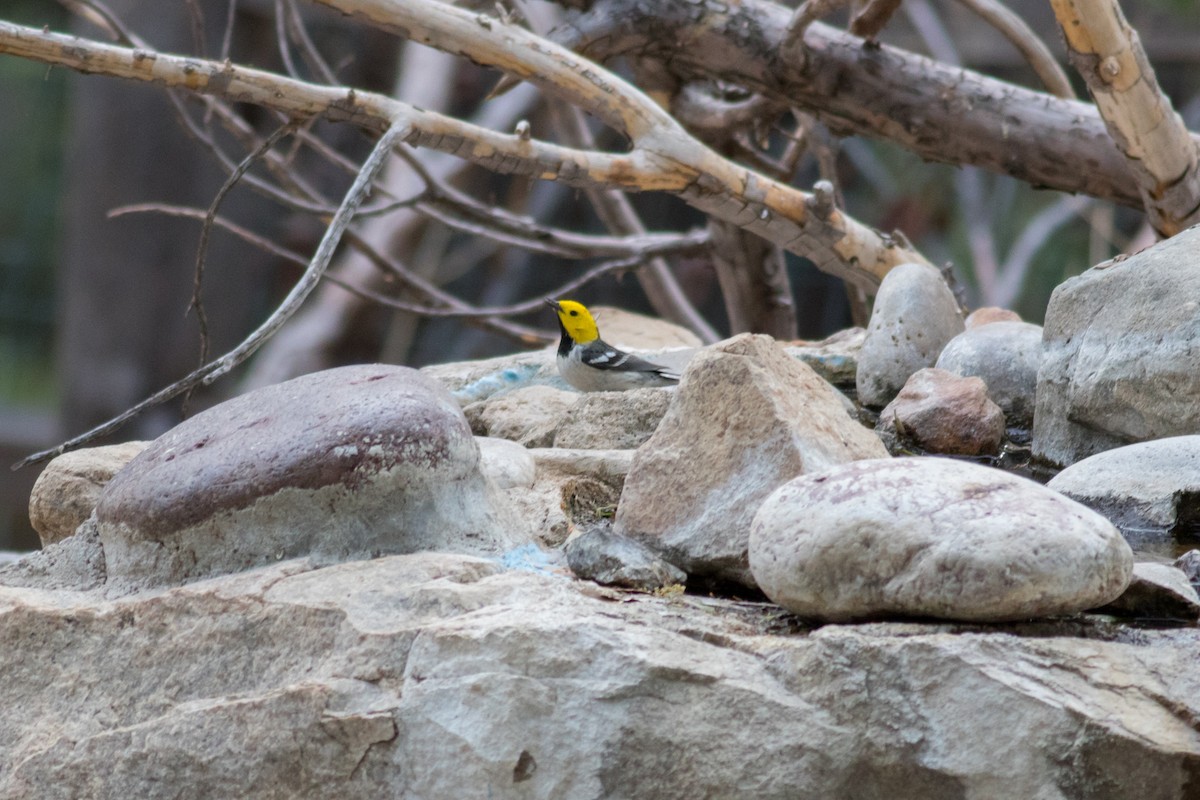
<point x="590" y="365"/>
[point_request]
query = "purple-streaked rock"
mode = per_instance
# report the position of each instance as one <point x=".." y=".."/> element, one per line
<point x="932" y="537"/>
<point x="342" y="464"/>
<point x="941" y="412"/>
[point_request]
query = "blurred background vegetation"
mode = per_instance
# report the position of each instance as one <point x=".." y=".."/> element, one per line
<point x="1009" y="243"/>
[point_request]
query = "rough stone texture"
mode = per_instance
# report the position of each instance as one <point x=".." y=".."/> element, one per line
<point x="613" y="420"/>
<point x="601" y="555"/>
<point x="932" y="537"/>
<point x="1151" y="490"/>
<point x="834" y="358"/>
<point x="439" y="676"/>
<point x="746" y="418"/>
<point x="915" y="314"/>
<point x="1189" y="564"/>
<point x="989" y="314"/>
<point x="76" y="562"/>
<point x="529" y="415"/>
<point x="1158" y="591"/>
<point x="1007" y="356"/>
<point x="67" y="490"/>
<point x="472" y="381"/>
<point x="570" y="487"/>
<point x="506" y="464"/>
<point x="1122" y="354"/>
<point x="941" y="412"/>
<point x="339" y="464"/>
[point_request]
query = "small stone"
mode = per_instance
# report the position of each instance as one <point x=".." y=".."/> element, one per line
<point x="915" y="315"/>
<point x="745" y="418"/>
<point x="506" y="464"/>
<point x="67" y="490"/>
<point x="1157" y="591"/>
<point x="598" y="554"/>
<point x="1189" y="563"/>
<point x="989" y="314"/>
<point x="932" y="537"/>
<point x="941" y="412"/>
<point x="1007" y="356"/>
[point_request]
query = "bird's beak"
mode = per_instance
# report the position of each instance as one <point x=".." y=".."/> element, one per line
<point x="553" y="304"/>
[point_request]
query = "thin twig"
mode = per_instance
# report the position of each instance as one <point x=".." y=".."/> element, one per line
<point x="210" y="372"/>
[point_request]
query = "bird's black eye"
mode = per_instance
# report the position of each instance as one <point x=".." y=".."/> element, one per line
<point x="574" y="313"/>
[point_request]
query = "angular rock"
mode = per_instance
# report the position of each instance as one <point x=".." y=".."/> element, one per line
<point x="76" y="563"/>
<point x="610" y="559"/>
<point x="613" y="420"/>
<point x="346" y="463"/>
<point x="529" y="416"/>
<point x="941" y="412"/>
<point x="1121" y="361"/>
<point x="1151" y="490"/>
<point x="441" y="676"/>
<point x="1157" y="591"/>
<point x="915" y="315"/>
<point x="745" y="418"/>
<point x="1007" y="356"/>
<point x="932" y="537"/>
<point x="67" y="490"/>
<point x="1189" y="564"/>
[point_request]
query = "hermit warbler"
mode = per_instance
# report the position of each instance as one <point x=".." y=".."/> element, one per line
<point x="590" y="365"/>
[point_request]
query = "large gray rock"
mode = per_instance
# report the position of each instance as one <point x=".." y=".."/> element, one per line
<point x="1006" y="355"/>
<point x="745" y="418"/>
<point x="915" y="314"/>
<point x="441" y="676"/>
<point x="66" y="492"/>
<point x="1122" y="354"/>
<point x="1149" y="490"/>
<point x="341" y="464"/>
<point x="932" y="537"/>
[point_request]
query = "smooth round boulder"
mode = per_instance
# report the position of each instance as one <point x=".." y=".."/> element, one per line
<point x="346" y="463"/>
<point x="1006" y="355"/>
<point x="932" y="537"/>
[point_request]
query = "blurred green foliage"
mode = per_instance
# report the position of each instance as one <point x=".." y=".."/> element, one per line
<point x="31" y="128"/>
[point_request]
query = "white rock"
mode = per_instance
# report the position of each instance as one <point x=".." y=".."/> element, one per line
<point x="746" y="418"/>
<point x="506" y="464"/>
<point x="915" y="315"/>
<point x="932" y="537"/>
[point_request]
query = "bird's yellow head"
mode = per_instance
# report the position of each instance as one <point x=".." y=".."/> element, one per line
<point x="575" y="320"/>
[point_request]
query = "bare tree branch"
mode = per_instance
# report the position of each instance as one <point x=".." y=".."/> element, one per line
<point x="308" y="281"/>
<point x="1159" y="151"/>
<point x="664" y="159"/>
